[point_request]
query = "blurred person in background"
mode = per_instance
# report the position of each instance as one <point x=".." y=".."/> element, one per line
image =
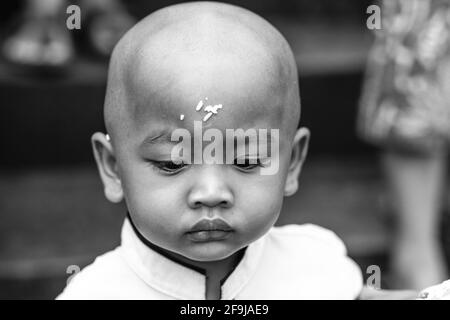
<point x="42" y="39"/>
<point x="405" y="108"/>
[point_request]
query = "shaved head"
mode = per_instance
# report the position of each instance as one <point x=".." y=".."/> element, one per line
<point x="181" y="54"/>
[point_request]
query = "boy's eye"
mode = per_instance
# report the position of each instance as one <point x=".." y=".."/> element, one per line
<point x="247" y="164"/>
<point x="168" y="166"/>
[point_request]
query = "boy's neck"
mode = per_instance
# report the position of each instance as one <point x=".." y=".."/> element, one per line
<point x="216" y="272"/>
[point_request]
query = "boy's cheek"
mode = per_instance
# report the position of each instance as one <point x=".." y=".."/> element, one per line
<point x="156" y="216"/>
<point x="262" y="200"/>
<point x="151" y="200"/>
<point x="258" y="221"/>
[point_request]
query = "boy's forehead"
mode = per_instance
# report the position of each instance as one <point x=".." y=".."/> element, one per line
<point x="211" y="111"/>
<point x="225" y="95"/>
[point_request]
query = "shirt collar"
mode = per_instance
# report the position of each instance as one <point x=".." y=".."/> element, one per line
<point x="179" y="281"/>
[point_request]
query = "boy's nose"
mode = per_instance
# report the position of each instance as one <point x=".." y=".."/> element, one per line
<point x="210" y="189"/>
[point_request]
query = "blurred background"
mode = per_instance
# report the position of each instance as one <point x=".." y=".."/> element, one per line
<point x="52" y="210"/>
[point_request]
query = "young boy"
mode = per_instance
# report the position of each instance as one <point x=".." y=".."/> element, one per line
<point x="201" y="229"/>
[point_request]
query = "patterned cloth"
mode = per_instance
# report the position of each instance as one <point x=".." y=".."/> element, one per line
<point x="406" y="95"/>
<point x="437" y="292"/>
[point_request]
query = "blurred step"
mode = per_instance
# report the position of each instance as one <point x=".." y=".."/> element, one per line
<point x="49" y="120"/>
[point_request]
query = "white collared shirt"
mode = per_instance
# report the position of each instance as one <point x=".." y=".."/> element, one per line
<point x="289" y="262"/>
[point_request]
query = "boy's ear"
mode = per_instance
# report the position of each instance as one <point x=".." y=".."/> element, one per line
<point x="107" y="167"/>
<point x="299" y="151"/>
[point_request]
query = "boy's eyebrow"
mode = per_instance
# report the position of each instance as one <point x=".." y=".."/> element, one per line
<point x="161" y="137"/>
<point x="165" y="136"/>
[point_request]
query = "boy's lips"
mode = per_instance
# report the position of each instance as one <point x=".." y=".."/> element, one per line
<point x="210" y="230"/>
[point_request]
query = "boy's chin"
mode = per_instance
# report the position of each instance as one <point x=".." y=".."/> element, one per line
<point x="209" y="252"/>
